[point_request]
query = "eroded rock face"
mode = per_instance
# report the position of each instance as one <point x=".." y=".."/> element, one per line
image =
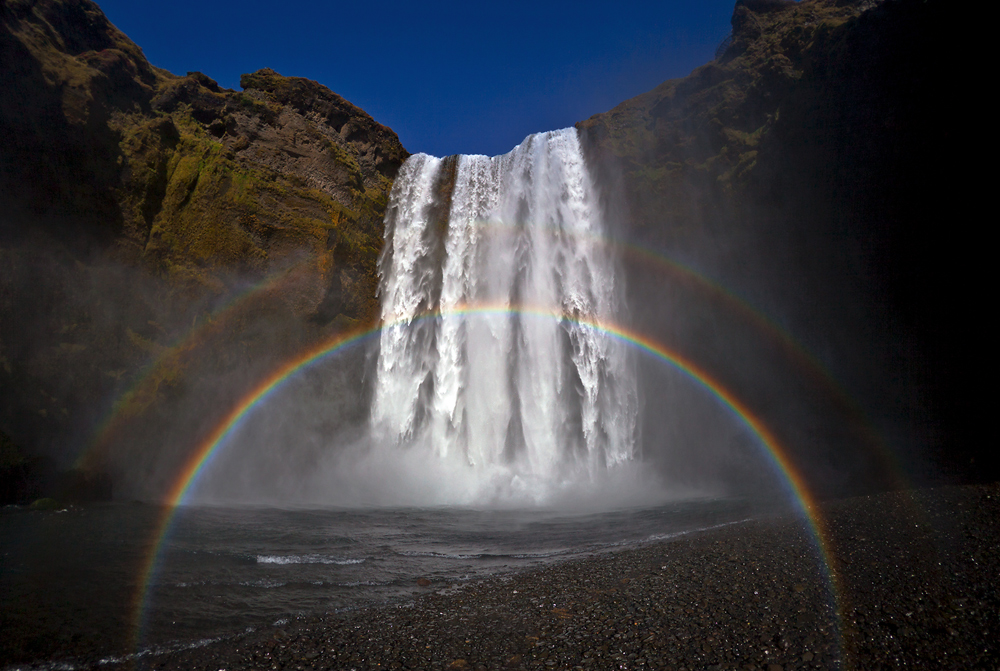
<point x="374" y="146"/>
<point x="135" y="203"/>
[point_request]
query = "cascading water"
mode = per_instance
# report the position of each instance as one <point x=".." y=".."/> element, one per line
<point x="525" y="403"/>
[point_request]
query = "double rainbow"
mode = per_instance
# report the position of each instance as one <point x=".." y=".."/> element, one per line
<point x="145" y="383"/>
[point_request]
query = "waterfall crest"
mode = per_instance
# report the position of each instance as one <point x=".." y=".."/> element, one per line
<point x="518" y="400"/>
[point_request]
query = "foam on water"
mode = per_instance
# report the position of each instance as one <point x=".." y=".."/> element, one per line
<point x="306" y="559"/>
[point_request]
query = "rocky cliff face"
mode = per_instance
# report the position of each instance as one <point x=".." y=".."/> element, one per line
<point x="136" y="206"/>
<point x="164" y="241"/>
<point x="807" y="168"/>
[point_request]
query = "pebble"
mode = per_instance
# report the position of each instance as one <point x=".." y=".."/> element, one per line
<point x="916" y="571"/>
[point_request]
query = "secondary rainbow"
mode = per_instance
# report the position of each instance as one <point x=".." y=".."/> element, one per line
<point x="120" y="409"/>
<point x="808" y="363"/>
<point x="207" y="448"/>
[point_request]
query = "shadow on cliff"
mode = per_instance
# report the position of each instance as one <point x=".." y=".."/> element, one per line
<point x="807" y="176"/>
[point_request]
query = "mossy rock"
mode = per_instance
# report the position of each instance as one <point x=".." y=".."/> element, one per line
<point x="174" y="218"/>
<point x="45" y="504"/>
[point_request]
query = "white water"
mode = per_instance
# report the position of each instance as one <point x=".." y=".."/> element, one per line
<point x="503" y="404"/>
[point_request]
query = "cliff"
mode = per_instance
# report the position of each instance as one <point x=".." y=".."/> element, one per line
<point x="136" y="204"/>
<point x="810" y="168"/>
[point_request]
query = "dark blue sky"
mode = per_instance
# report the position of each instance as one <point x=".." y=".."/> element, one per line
<point x="448" y="77"/>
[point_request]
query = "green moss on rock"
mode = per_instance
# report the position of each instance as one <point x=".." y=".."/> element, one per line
<point x="196" y="191"/>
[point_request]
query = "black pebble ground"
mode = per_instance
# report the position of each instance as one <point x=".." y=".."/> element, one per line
<point x="917" y="575"/>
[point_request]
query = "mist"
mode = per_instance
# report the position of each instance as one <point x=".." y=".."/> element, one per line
<point x="368" y="474"/>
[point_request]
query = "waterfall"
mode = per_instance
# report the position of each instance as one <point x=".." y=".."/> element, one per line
<point x="520" y="399"/>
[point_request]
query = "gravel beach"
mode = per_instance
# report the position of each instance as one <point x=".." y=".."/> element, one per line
<point x="916" y="575"/>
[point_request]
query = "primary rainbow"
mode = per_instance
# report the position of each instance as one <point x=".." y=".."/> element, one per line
<point x="228" y="424"/>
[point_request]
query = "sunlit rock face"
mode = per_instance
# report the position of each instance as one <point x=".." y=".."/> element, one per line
<point x="522" y="399"/>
